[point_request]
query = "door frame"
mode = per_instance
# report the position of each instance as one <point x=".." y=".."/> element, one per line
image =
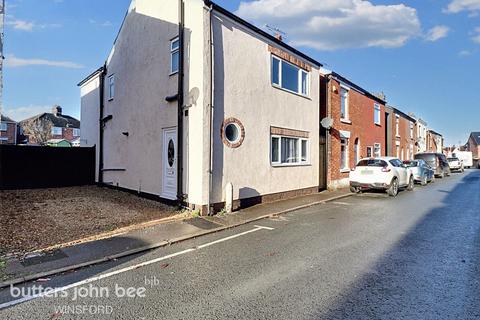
<point x="171" y="194"/>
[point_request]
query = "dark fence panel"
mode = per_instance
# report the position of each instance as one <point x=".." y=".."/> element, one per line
<point x="23" y="167"/>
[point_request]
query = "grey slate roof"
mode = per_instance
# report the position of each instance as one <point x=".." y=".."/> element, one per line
<point x="476" y="137"/>
<point x="62" y="120"/>
<point x="6" y="119"/>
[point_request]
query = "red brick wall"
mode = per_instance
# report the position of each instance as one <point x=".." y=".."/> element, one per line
<point x="404" y="137"/>
<point x="10" y="133"/>
<point x="362" y="126"/>
<point x="474" y="148"/>
<point x="67" y="134"/>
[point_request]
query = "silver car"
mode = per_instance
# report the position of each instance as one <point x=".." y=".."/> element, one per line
<point x="422" y="172"/>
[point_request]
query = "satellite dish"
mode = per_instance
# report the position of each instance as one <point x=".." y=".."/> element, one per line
<point x="327" y="123"/>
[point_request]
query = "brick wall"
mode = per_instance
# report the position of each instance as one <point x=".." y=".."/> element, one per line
<point x="67" y="134"/>
<point x="361" y="126"/>
<point x="10" y="134"/>
<point x="404" y="139"/>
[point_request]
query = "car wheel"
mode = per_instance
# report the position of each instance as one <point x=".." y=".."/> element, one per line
<point x="424" y="181"/>
<point x="411" y="184"/>
<point x="393" y="190"/>
<point x="354" y="189"/>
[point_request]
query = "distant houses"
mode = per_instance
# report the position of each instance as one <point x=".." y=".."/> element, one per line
<point x="8" y="130"/>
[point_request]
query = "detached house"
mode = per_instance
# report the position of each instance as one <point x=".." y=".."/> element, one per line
<point x="194" y="103"/>
<point x="8" y="130"/>
<point x="359" y="126"/>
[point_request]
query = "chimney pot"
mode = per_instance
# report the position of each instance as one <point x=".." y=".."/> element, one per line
<point x="57" y="110"/>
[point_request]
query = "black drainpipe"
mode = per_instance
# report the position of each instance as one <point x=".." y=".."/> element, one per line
<point x="181" y="26"/>
<point x="100" y="142"/>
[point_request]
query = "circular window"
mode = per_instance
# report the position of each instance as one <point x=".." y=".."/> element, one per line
<point x="232" y="133"/>
<point x="171" y="153"/>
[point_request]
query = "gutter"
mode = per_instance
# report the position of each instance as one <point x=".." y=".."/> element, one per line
<point x="181" y="67"/>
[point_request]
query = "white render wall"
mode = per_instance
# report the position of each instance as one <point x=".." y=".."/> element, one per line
<point x="243" y="90"/>
<point x="90" y="116"/>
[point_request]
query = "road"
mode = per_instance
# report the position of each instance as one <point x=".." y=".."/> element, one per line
<point x="368" y="256"/>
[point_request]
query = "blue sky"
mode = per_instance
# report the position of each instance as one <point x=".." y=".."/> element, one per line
<point x="421" y="54"/>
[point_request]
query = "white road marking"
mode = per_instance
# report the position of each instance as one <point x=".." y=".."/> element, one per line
<point x="110" y="274"/>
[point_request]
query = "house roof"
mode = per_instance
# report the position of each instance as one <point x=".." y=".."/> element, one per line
<point x="403" y="114"/>
<point x="6" y="119"/>
<point x="476" y="137"/>
<point x="357" y="87"/>
<point x="259" y="31"/>
<point x="62" y="120"/>
<point x="434" y="132"/>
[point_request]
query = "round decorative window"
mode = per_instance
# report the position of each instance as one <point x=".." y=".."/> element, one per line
<point x="171" y="153"/>
<point x="232" y="133"/>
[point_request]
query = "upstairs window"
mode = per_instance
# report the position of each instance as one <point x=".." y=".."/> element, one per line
<point x="411" y="130"/>
<point x="57" y="131"/>
<point x="397" y="125"/>
<point x="289" y="77"/>
<point x="344" y="103"/>
<point x="111" y="86"/>
<point x="377" y="150"/>
<point x="3" y="126"/>
<point x="174" y="55"/>
<point x="76" y="132"/>
<point x="377" y="114"/>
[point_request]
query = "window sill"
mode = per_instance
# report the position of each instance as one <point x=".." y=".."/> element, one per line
<point x="398" y="136"/>
<point x="110" y="99"/>
<point x="290" y="91"/>
<point x="280" y="165"/>
<point x="173" y="73"/>
<point x="378" y="124"/>
<point x="344" y="170"/>
<point x="345" y="121"/>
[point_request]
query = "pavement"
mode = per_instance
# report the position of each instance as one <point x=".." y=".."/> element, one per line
<point x="43" y="265"/>
<point x="368" y="256"/>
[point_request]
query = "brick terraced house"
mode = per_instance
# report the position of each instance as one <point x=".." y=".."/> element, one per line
<point x="359" y="128"/>
<point x="404" y="135"/>
<point x="8" y="130"/>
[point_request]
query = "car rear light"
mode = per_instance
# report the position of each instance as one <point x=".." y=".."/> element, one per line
<point x="386" y="169"/>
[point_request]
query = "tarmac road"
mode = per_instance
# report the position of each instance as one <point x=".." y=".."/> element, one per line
<point x="416" y="256"/>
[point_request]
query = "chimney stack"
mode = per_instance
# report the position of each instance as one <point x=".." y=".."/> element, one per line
<point x="57" y="110"/>
<point x="278" y="36"/>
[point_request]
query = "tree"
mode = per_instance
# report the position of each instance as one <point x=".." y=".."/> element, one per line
<point x="37" y="130"/>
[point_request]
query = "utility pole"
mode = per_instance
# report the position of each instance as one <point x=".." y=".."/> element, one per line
<point x="2" y="24"/>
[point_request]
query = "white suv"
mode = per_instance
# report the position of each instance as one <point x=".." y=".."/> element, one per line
<point x="384" y="173"/>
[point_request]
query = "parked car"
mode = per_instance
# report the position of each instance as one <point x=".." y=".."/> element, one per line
<point x="422" y="172"/>
<point x="437" y="161"/>
<point x="455" y="164"/>
<point x="383" y="173"/>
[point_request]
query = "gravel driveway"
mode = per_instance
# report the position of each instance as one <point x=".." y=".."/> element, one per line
<point x="36" y="219"/>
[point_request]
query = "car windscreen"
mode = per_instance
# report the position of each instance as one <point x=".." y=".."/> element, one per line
<point x="371" y="163"/>
<point x="452" y="159"/>
<point x="411" y="164"/>
<point x="428" y="157"/>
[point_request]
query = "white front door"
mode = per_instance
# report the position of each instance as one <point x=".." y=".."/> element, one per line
<point x="169" y="163"/>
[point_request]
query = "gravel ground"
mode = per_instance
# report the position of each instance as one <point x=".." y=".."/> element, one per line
<point x="35" y="219"/>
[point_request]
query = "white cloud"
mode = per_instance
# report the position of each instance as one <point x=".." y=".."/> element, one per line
<point x="22" y="113"/>
<point x="456" y="6"/>
<point x="14" y="62"/>
<point x="336" y="24"/>
<point x="437" y="33"/>
<point x="465" y="53"/>
<point x="24" y="25"/>
<point x="106" y="23"/>
<point x="20" y="24"/>
<point x="476" y="35"/>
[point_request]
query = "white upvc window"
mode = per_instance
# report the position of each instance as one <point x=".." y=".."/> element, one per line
<point x="377" y="114"/>
<point x="76" y="132"/>
<point x="289" y="77"/>
<point x="111" y="86"/>
<point x="289" y="151"/>
<point x="344" y="103"/>
<point x="411" y="129"/>
<point x="344" y="154"/>
<point x="397" y="125"/>
<point x="174" y="55"/>
<point x="3" y="126"/>
<point x="377" y="150"/>
<point x="57" y="131"/>
<point x="369" y="152"/>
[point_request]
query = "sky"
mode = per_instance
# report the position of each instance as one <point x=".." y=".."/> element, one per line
<point x="422" y="54"/>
